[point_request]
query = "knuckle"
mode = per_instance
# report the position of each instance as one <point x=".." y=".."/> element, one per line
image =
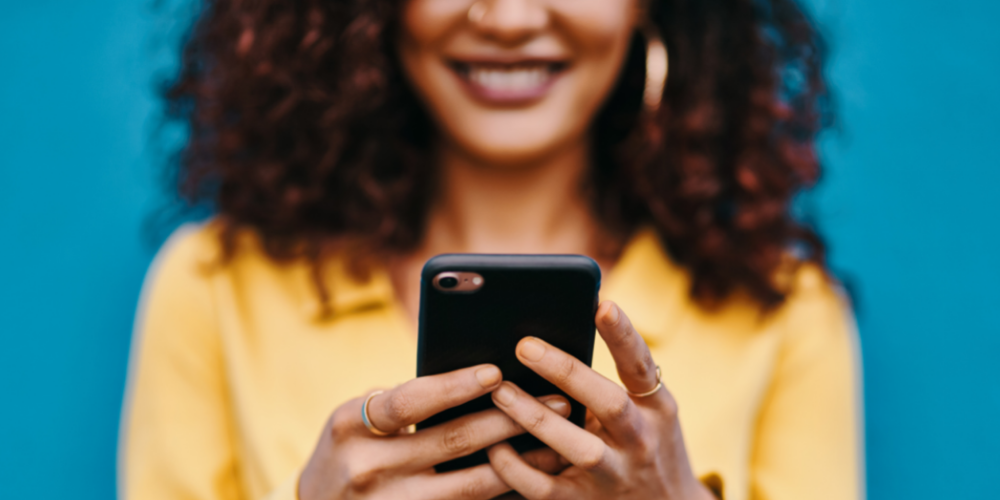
<point x="644" y="452"/>
<point x="457" y="440"/>
<point x="644" y="366"/>
<point x="507" y="426"/>
<point x="622" y="332"/>
<point x="459" y="384"/>
<point x="476" y="487"/>
<point x="468" y="383"/>
<point x="500" y="464"/>
<point x="399" y="408"/>
<point x="593" y="458"/>
<point x="546" y="491"/>
<point x="620" y="406"/>
<point x="516" y="428"/>
<point x="564" y="370"/>
<point x="340" y="424"/>
<point x="362" y="475"/>
<point x="670" y="404"/>
<point x="535" y="421"/>
<point x="452" y="384"/>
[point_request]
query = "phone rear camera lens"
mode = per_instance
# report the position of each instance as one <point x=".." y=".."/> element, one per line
<point x="448" y="282"/>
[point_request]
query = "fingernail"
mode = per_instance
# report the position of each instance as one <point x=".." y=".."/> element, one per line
<point x="531" y="349"/>
<point x="488" y="376"/>
<point x="504" y="395"/>
<point x="558" y="405"/>
<point x="613" y="314"/>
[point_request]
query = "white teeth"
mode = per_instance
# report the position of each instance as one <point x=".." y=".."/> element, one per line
<point x="509" y="80"/>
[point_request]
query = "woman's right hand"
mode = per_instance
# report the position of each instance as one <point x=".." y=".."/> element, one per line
<point x="351" y="462"/>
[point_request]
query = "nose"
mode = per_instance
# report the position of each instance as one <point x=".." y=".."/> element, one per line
<point x="509" y="21"/>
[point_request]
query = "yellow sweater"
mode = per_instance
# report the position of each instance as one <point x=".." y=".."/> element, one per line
<point x="234" y="371"/>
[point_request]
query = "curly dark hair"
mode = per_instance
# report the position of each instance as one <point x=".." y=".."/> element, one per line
<point x="302" y="128"/>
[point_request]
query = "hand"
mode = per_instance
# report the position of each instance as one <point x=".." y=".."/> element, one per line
<point x="350" y="462"/>
<point x="632" y="448"/>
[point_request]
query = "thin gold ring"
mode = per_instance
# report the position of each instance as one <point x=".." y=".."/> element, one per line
<point x="659" y="384"/>
<point x="477" y="12"/>
<point x="367" y="420"/>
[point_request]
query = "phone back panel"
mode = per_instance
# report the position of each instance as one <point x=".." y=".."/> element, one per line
<point x="552" y="297"/>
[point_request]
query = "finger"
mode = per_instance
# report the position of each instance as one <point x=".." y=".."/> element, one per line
<point x="517" y="473"/>
<point x="546" y="460"/>
<point x="580" y="447"/>
<point x="591" y="423"/>
<point x="423" y="397"/>
<point x="604" y="398"/>
<point x="635" y="364"/>
<point x="459" y="437"/>
<point x="475" y="483"/>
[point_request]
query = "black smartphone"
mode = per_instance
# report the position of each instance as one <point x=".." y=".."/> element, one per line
<point x="475" y="308"/>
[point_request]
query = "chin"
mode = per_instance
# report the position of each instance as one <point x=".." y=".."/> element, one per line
<point x="512" y="155"/>
<point x="512" y="143"/>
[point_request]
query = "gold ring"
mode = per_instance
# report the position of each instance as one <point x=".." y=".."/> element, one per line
<point x="367" y="420"/>
<point x="659" y="384"/>
<point x="477" y="12"/>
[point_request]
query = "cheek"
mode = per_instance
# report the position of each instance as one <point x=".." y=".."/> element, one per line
<point x="600" y="32"/>
<point x="429" y="21"/>
<point x="424" y="29"/>
<point x="595" y="23"/>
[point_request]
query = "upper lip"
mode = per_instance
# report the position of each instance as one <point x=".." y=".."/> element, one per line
<point x="463" y="64"/>
<point x="506" y="60"/>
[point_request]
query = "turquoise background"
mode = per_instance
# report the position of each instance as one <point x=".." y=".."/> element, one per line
<point x="909" y="205"/>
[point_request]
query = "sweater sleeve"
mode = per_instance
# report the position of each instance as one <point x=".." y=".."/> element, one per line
<point x="177" y="436"/>
<point x="809" y="435"/>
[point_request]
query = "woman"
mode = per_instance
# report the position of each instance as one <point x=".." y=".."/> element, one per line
<point x="342" y="144"/>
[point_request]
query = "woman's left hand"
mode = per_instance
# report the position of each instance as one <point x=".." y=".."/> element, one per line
<point x="632" y="447"/>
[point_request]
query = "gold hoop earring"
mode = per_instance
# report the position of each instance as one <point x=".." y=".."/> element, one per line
<point x="657" y="68"/>
<point x="477" y="12"/>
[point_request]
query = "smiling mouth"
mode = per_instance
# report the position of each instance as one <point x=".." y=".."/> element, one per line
<point x="508" y="83"/>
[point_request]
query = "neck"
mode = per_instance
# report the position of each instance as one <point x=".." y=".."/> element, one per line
<point x="484" y="208"/>
<point x="536" y="208"/>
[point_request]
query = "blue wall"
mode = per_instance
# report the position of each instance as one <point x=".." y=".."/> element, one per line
<point x="911" y="208"/>
<point x="909" y="204"/>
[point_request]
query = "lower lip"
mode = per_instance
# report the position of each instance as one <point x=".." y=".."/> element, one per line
<point x="507" y="97"/>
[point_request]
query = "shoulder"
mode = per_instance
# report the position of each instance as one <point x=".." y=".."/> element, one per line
<point x="178" y="275"/>
<point x="816" y="321"/>
<point x="206" y="265"/>
<point x="189" y="244"/>
<point x="186" y="257"/>
<point x="192" y="280"/>
<point x="199" y="257"/>
<point x="814" y="293"/>
<point x="197" y="251"/>
<point x="815" y="313"/>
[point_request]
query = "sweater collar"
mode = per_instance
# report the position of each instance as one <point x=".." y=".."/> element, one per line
<point x="347" y="294"/>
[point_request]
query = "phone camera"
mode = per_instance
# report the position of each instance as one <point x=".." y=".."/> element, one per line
<point x="448" y="282"/>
